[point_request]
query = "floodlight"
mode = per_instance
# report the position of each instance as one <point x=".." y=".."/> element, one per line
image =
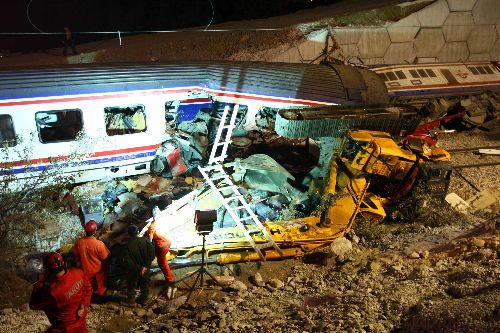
<point x="204" y="220"/>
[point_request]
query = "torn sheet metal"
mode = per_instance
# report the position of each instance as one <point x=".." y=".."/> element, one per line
<point x="261" y="172"/>
<point x="168" y="161"/>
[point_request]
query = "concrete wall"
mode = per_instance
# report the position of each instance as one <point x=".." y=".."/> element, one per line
<point x="444" y="31"/>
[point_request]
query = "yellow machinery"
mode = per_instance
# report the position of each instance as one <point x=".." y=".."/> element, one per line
<point x="368" y="174"/>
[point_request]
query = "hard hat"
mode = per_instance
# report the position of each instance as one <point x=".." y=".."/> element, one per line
<point x="90" y="226"/>
<point x="53" y="260"/>
<point x="133" y="230"/>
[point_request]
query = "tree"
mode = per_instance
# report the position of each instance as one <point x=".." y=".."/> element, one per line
<point x="27" y="202"/>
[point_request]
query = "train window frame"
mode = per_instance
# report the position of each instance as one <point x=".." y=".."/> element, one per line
<point x="481" y="70"/>
<point x="400" y="75"/>
<point x="422" y="73"/>
<point x="8" y="136"/>
<point x="414" y="74"/>
<point x="128" y="111"/>
<point x="54" y="135"/>
<point x="383" y="76"/>
<point x="473" y="70"/>
<point x="391" y="76"/>
<point x="488" y="70"/>
<point x="430" y="72"/>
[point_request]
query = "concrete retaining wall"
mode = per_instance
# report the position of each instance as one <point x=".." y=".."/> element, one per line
<point x="444" y="31"/>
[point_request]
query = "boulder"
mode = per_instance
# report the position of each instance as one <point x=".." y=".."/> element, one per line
<point x="340" y="247"/>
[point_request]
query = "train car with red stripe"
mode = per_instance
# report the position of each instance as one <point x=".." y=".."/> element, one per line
<point x="96" y="120"/>
<point x="439" y="79"/>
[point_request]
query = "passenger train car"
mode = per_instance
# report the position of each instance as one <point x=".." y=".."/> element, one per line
<point x="92" y="121"/>
<point x="437" y="79"/>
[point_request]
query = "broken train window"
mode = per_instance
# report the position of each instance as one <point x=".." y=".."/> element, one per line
<point x="125" y="119"/>
<point x="7" y="133"/>
<point x="61" y="125"/>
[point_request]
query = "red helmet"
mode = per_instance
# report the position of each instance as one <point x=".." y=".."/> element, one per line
<point x="53" y="260"/>
<point x="90" y="227"/>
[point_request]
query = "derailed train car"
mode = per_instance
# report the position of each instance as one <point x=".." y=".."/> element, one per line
<point x="93" y="121"/>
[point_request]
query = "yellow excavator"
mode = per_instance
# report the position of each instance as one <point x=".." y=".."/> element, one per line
<point x="368" y="173"/>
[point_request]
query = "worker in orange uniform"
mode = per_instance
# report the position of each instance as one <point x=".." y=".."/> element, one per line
<point x="63" y="294"/>
<point x="90" y="255"/>
<point x="162" y="245"/>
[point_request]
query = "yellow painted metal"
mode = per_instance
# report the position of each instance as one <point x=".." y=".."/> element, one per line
<point x="230" y="258"/>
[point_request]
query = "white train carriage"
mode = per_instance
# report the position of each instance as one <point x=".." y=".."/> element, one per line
<point x="92" y="121"/>
<point x="437" y="79"/>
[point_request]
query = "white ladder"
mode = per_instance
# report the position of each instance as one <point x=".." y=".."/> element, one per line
<point x="219" y="181"/>
<point x="217" y="173"/>
<point x="227" y="140"/>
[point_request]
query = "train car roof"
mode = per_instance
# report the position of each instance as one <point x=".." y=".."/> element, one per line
<point x="298" y="81"/>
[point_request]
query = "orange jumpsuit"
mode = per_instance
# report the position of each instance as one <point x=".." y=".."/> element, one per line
<point x="162" y="245"/>
<point x="90" y="254"/>
<point x="61" y="300"/>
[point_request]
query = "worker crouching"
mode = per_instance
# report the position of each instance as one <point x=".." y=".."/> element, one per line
<point x="63" y="294"/>
<point x="162" y="246"/>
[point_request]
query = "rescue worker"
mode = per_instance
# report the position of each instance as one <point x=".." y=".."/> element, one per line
<point x="139" y="254"/>
<point x="63" y="294"/>
<point x="91" y="254"/>
<point x="162" y="246"/>
<point x="68" y="42"/>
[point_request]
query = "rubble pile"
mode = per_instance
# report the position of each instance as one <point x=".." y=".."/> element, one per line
<point x="401" y="283"/>
<point x="480" y="111"/>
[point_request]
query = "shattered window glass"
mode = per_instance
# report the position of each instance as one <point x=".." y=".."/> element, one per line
<point x="7" y="133"/>
<point x="125" y="119"/>
<point x="62" y="125"/>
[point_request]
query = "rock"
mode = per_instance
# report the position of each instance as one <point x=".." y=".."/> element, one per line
<point x="375" y="266"/>
<point x="467" y="102"/>
<point x="237" y="286"/>
<point x="341" y="246"/>
<point x="225" y="280"/>
<point x="177" y="302"/>
<point x="355" y="239"/>
<point x="418" y="273"/>
<point x="479" y="243"/>
<point x="276" y="284"/>
<point x="7" y="311"/>
<point x="395" y="269"/>
<point x="482" y="254"/>
<point x="140" y="312"/>
<point x="203" y="316"/>
<point x="257" y="280"/>
<point x="414" y="255"/>
<point x="424" y="254"/>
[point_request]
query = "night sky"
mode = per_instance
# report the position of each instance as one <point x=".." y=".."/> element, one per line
<point x="125" y="15"/>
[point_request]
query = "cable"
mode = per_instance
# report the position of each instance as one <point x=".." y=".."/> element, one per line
<point x="141" y="31"/>
<point x="213" y="14"/>
<point x="28" y="16"/>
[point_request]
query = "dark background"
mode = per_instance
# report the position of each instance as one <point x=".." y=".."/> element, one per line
<point x="51" y="16"/>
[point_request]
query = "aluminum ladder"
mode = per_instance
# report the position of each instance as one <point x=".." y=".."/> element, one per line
<point x="219" y="181"/>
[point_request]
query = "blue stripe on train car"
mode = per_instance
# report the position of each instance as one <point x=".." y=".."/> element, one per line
<point x="41" y="168"/>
